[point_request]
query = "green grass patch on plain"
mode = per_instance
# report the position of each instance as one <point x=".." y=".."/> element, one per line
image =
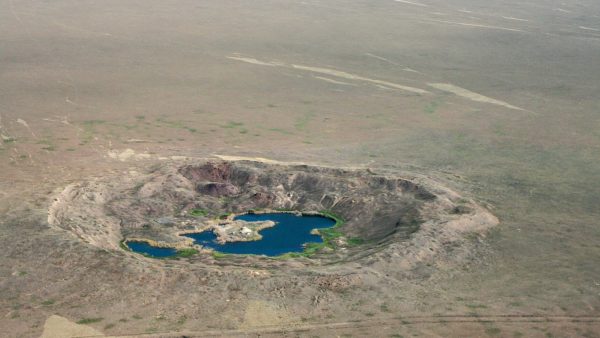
<point x="281" y="131"/>
<point x="492" y="331"/>
<point x="431" y="107"/>
<point x="93" y="122"/>
<point x="181" y="320"/>
<point x="89" y="129"/>
<point x="232" y="124"/>
<point x="47" y="144"/>
<point x="175" y="124"/>
<point x="90" y="320"/>
<point x="303" y="121"/>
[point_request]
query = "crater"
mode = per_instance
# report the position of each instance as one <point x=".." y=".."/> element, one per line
<point x="204" y="208"/>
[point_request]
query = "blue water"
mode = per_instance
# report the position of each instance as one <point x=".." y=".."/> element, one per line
<point x="154" y="251"/>
<point x="288" y="235"/>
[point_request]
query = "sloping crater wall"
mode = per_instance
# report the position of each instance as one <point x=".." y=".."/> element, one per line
<point x="381" y="210"/>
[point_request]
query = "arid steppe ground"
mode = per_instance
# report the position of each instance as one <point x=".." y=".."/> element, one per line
<point x="500" y="100"/>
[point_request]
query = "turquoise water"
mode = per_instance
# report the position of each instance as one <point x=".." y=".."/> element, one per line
<point x="154" y="251"/>
<point x="289" y="235"/>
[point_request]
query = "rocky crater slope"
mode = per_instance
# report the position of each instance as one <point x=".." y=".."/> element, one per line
<point x="387" y="218"/>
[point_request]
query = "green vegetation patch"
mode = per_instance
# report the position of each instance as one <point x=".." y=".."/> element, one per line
<point x="219" y="255"/>
<point x="232" y="124"/>
<point x="124" y="246"/>
<point x="354" y="241"/>
<point x="175" y="124"/>
<point x="329" y="234"/>
<point x="90" y="320"/>
<point x="89" y="129"/>
<point x="47" y="144"/>
<point x="311" y="248"/>
<point x="93" y="122"/>
<point x="198" y="213"/>
<point x="492" y="331"/>
<point x="255" y="210"/>
<point x="181" y="320"/>
<point x="187" y="252"/>
<point x="303" y="121"/>
<point x="48" y="302"/>
<point x="281" y="131"/>
<point x="431" y="107"/>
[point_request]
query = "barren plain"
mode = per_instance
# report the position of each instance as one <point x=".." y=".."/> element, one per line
<point x="492" y="108"/>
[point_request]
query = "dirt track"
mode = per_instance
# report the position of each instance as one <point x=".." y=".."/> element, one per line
<point x="338" y="328"/>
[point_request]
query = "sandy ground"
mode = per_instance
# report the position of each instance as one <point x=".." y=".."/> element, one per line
<point x="498" y="99"/>
<point x="60" y="327"/>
